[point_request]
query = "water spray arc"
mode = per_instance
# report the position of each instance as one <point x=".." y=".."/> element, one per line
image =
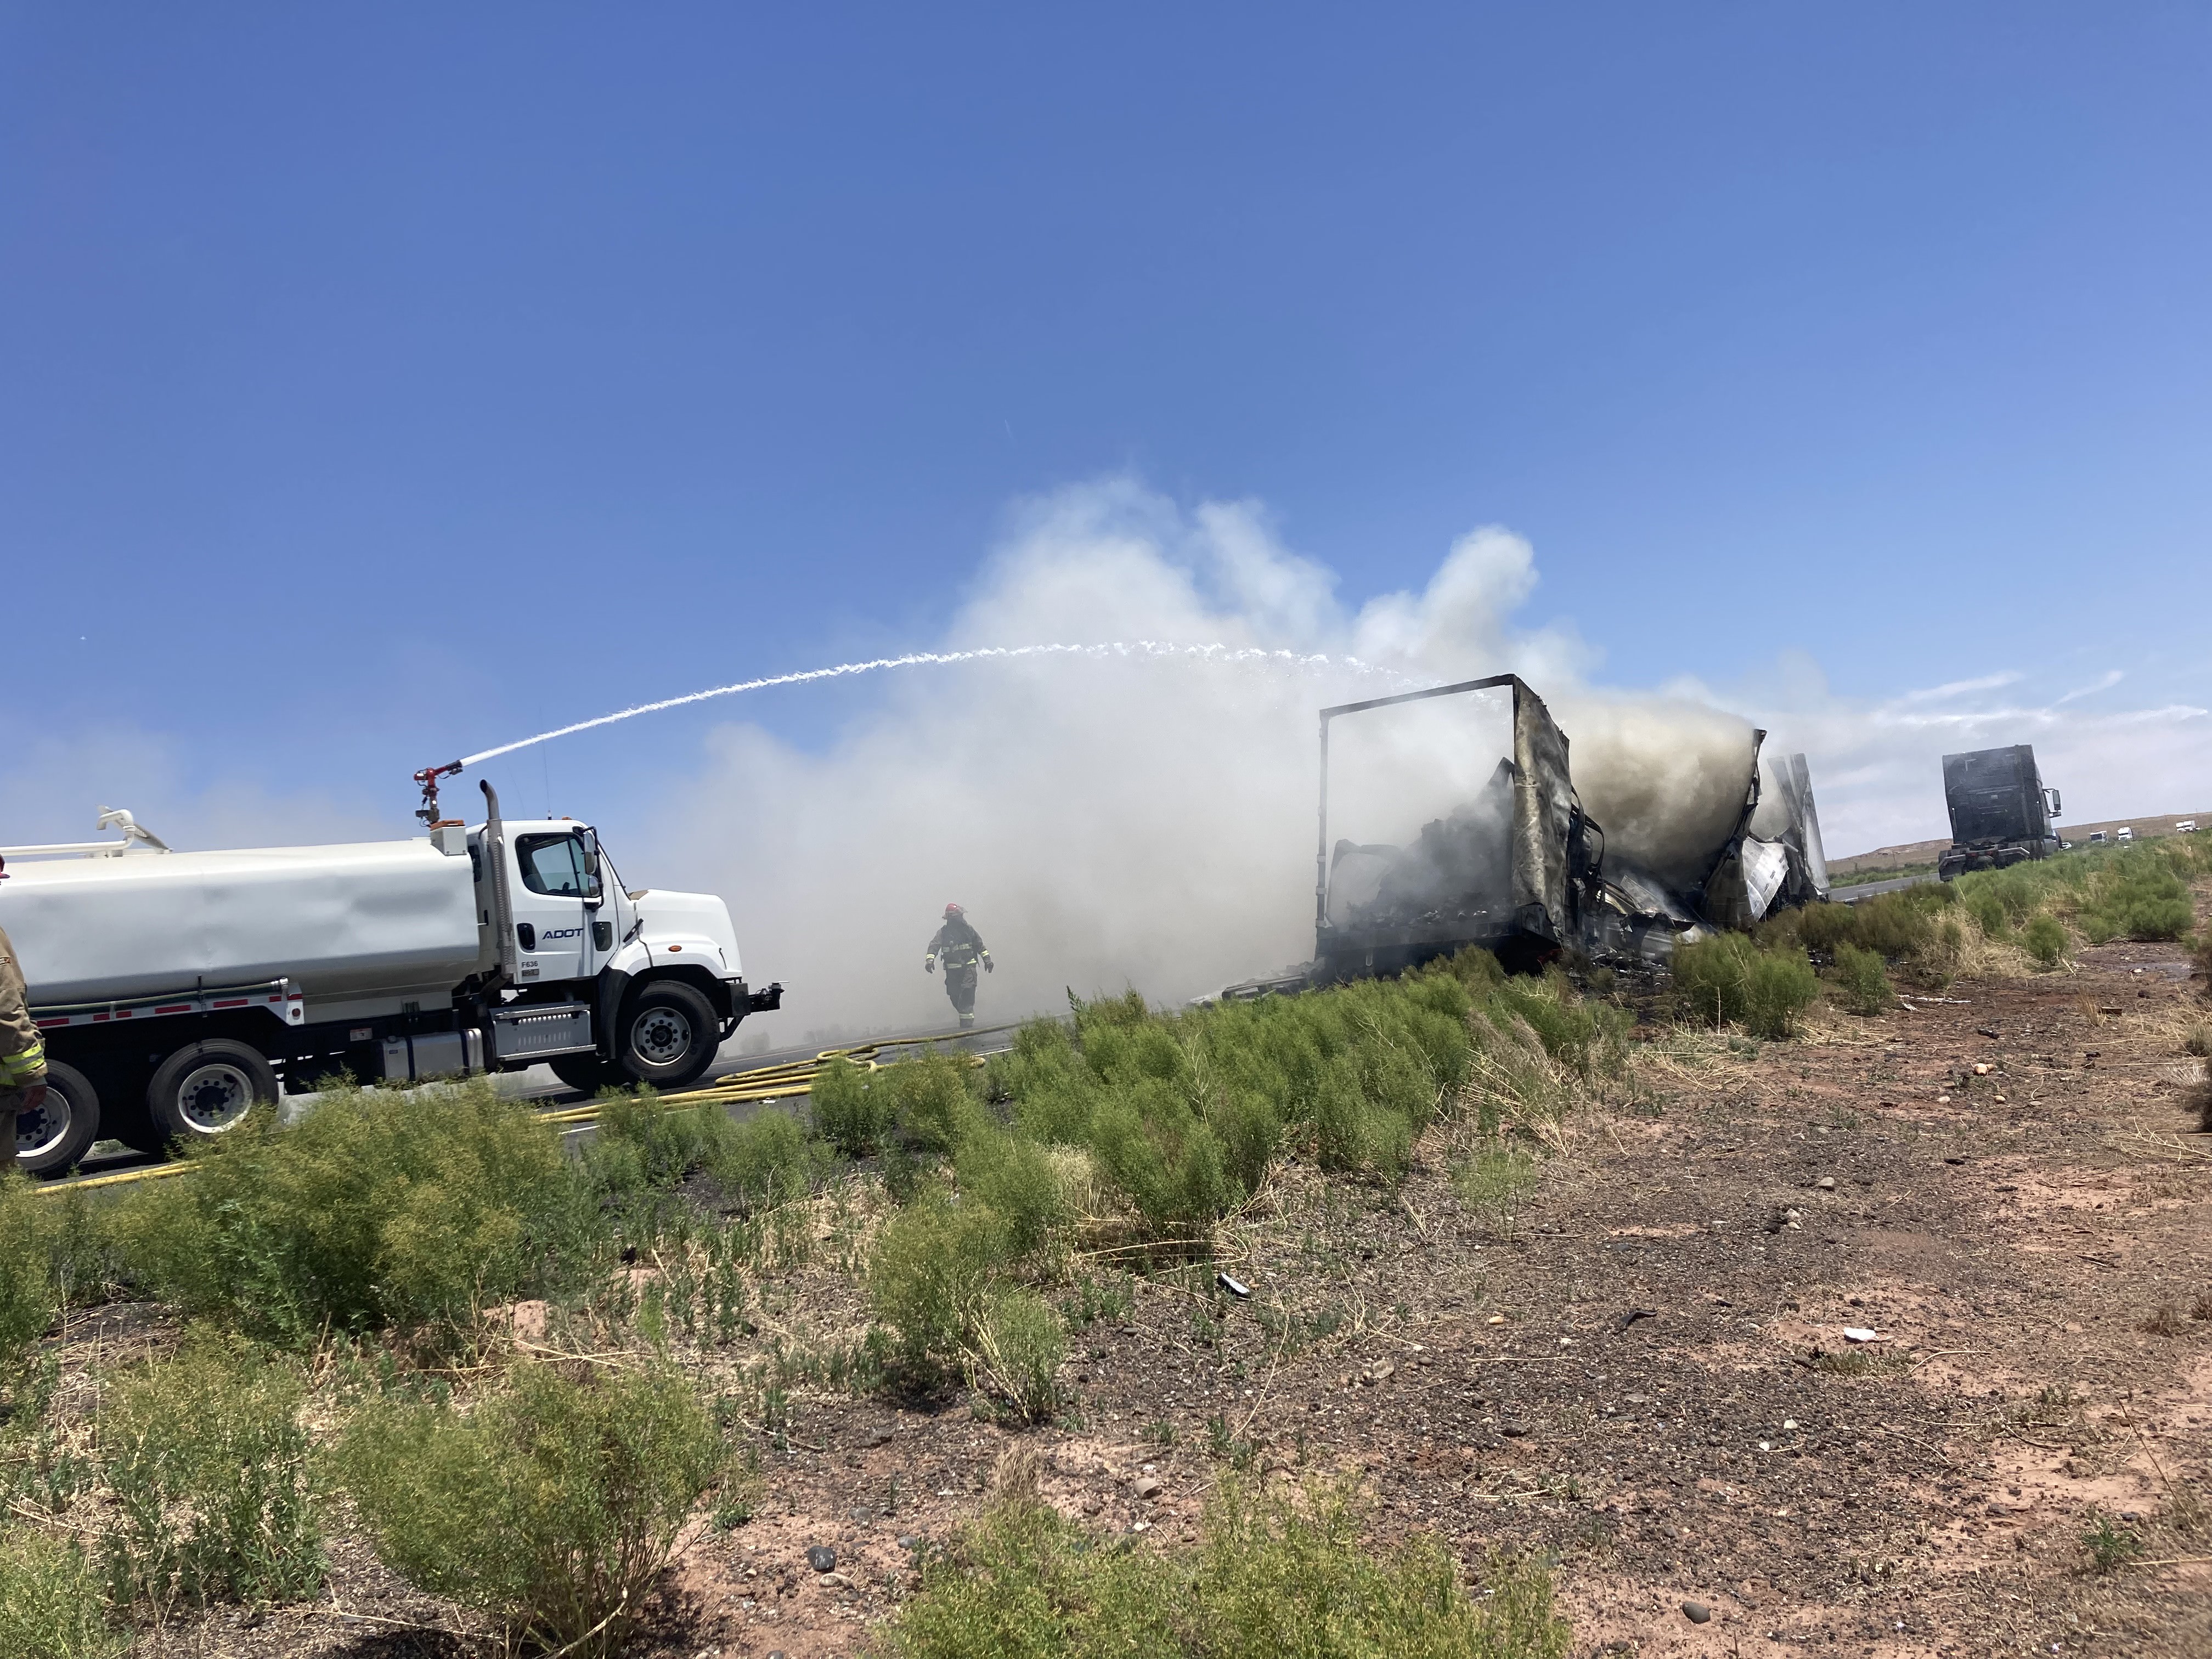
<point x="1126" y="650"/>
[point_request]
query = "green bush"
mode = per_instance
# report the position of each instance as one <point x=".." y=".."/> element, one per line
<point x="766" y="1160"/>
<point x="1274" y="1576"/>
<point x="376" y="1209"/>
<point x="553" y="1506"/>
<point x="1864" y="982"/>
<point x="1018" y="1343"/>
<point x="1014" y="1178"/>
<point x="1898" y="928"/>
<point x="1491" y="1177"/>
<point x="850" y="1114"/>
<point x="2045" y="939"/>
<point x="2137" y="894"/>
<point x="207" y="1465"/>
<point x="1988" y="909"/>
<point x="930" y="1104"/>
<point x="1728" y="980"/>
<point x="27" y="1304"/>
<point x="929" y="1277"/>
<point x="50" y="1600"/>
<point x="645" y="1141"/>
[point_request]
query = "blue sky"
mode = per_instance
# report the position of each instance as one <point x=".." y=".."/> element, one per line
<point x="380" y="383"/>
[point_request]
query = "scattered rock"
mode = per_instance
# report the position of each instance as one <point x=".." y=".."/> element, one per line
<point x="834" y="1581"/>
<point x="880" y="1437"/>
<point x="822" y="1558"/>
<point x="1859" y="1333"/>
<point x="1826" y="1183"/>
<point x="1696" y="1612"/>
<point x="1981" y="1068"/>
<point x="1380" y="1372"/>
<point x="909" y="1541"/>
<point x="1150" y="1486"/>
<point x="1512" y="1430"/>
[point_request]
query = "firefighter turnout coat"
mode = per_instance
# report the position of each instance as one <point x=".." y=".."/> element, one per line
<point x="22" y="1056"/>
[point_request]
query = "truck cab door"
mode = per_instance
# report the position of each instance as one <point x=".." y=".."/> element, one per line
<point x="555" y="896"/>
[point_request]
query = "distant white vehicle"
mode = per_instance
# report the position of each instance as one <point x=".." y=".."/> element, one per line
<point x="2124" y="833"/>
<point x="2096" y="838"/>
<point x="2186" y="827"/>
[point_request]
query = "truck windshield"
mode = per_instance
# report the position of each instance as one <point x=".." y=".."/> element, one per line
<point x="553" y="865"/>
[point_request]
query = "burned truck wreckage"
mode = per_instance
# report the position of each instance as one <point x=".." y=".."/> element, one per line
<point x="1504" y="855"/>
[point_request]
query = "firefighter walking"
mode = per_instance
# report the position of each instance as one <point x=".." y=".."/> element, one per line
<point x="960" y="947"/>
<point x="22" y="1056"/>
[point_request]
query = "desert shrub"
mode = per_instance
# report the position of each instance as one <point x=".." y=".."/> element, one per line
<point x="1899" y="928"/>
<point x="1863" y="980"/>
<point x="27" y="1302"/>
<point x="1728" y="980"/>
<point x="2198" y="1039"/>
<point x="931" y="1101"/>
<point x="376" y="1209"/>
<point x="2110" y="1545"/>
<point x="928" y="1277"/>
<point x="2045" y="938"/>
<point x="766" y="1160"/>
<point x="1015" y="1350"/>
<point x="2135" y="895"/>
<point x="50" y="1600"/>
<point x="1017" y="1181"/>
<point x="645" y="1141"/>
<point x="1988" y="909"/>
<point x="208" y="1466"/>
<point x="852" y="1115"/>
<point x="1490" y="1178"/>
<point x="553" y="1505"/>
<point x="1275" y="1575"/>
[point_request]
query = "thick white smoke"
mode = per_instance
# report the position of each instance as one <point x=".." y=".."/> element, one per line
<point x="1149" y="824"/>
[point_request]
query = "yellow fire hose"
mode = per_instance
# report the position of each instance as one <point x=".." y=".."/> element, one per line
<point x="784" y="1081"/>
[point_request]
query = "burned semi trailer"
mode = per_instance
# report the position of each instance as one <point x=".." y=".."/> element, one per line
<point x="1775" y="859"/>
<point x="2000" y="812"/>
<point x="1509" y="864"/>
<point x="1470" y="832"/>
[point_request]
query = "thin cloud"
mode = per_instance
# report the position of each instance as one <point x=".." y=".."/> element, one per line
<point x="1960" y="688"/>
<point x="2105" y="682"/>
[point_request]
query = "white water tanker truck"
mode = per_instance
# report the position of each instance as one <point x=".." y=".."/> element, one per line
<point x="174" y="990"/>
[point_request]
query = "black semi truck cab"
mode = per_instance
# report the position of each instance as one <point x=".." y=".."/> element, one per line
<point x="2000" y="813"/>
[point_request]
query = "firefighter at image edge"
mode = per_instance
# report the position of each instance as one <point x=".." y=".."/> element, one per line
<point x="22" y="1056"/>
<point x="961" y="947"/>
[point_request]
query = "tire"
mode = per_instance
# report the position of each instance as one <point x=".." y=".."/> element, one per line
<point x="53" y="1138"/>
<point x="206" y="1088"/>
<point x="667" y="1035"/>
<point x="586" y="1073"/>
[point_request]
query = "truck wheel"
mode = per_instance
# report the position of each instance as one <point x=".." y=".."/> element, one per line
<point x="67" y="1122"/>
<point x="205" y="1088"/>
<point x="587" y="1073"/>
<point x="667" y="1036"/>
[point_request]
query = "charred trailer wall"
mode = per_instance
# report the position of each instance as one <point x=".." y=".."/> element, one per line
<point x="1505" y="869"/>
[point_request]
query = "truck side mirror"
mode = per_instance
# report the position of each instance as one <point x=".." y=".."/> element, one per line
<point x="2053" y="793"/>
<point x="588" y="842"/>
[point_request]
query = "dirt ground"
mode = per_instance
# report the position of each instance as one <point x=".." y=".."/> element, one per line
<point x="1642" y="1375"/>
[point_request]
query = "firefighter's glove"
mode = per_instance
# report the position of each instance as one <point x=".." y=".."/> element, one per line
<point x="929" y="964"/>
<point x="987" y="964"/>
